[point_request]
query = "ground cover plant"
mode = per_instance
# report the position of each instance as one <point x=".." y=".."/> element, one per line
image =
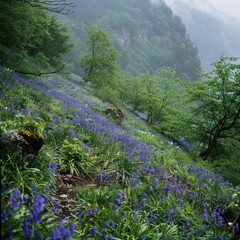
<point x="94" y="179"/>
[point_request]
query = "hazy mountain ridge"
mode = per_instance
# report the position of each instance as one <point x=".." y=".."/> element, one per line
<point x="213" y="32"/>
<point x="147" y="36"/>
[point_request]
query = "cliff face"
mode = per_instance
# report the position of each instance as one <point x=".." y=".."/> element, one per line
<point x="213" y="31"/>
<point x="124" y="38"/>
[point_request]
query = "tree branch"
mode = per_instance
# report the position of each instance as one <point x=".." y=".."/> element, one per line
<point x="42" y="73"/>
<point x="56" y="6"/>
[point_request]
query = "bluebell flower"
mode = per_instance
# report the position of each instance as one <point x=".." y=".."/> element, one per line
<point x="235" y="227"/>
<point x="111" y="224"/>
<point x="185" y="223"/>
<point x="56" y="234"/>
<point x="167" y="189"/>
<point x="62" y="217"/>
<point x="92" y="231"/>
<point x="155" y="182"/>
<point x="170" y="213"/>
<point x="180" y="202"/>
<point x="55" y="207"/>
<point x="64" y="231"/>
<point x="81" y="221"/>
<point x="71" y="228"/>
<point x="14" y="197"/>
<point x="118" y="201"/>
<point x="8" y="235"/>
<point x="138" y="206"/>
<point x="27" y="227"/>
<point x="106" y="223"/>
<point x="144" y="195"/>
<point x="135" y="216"/>
<point x="102" y="175"/>
<point x="3" y="216"/>
<point x="92" y="211"/>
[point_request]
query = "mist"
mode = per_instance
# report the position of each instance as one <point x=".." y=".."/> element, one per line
<point x="211" y="26"/>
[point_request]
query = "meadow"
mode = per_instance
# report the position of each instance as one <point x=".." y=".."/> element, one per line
<point x="95" y="178"/>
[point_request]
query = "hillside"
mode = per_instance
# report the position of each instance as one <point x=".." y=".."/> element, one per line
<point x="147" y="35"/>
<point x="212" y="31"/>
<point x="96" y="177"/>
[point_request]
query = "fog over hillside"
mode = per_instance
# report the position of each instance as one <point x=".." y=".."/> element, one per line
<point x="212" y="25"/>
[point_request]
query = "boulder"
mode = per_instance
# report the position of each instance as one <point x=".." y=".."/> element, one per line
<point x="22" y="140"/>
<point x="115" y="113"/>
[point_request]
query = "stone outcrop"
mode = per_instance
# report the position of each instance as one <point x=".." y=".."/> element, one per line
<point x="21" y="141"/>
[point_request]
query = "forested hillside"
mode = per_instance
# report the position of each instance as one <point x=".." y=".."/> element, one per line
<point x="214" y="32"/>
<point x="147" y="36"/>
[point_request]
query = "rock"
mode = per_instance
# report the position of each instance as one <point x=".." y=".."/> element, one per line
<point x="115" y="113"/>
<point x="34" y="140"/>
<point x="22" y="141"/>
<point x="63" y="196"/>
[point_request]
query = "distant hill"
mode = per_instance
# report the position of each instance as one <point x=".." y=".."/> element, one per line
<point x="214" y="33"/>
<point x="147" y="35"/>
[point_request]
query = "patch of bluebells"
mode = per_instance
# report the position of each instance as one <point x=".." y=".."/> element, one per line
<point x="92" y="232"/>
<point x="52" y="168"/>
<point x="85" y="118"/>
<point x="62" y="232"/>
<point x="94" y="122"/>
<point x="34" y="208"/>
<point x="10" y="103"/>
<point x="170" y="215"/>
<point x="204" y="174"/>
<point x="92" y="211"/>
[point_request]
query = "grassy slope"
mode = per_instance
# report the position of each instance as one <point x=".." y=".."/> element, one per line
<point x="136" y="184"/>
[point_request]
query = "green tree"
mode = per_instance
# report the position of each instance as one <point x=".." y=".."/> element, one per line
<point x="216" y="113"/>
<point x="134" y="92"/>
<point x="156" y="95"/>
<point x="100" y="63"/>
<point x="29" y="39"/>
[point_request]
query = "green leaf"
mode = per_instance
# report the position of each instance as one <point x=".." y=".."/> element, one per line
<point x="188" y="209"/>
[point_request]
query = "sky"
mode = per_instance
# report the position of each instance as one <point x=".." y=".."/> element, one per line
<point x="229" y="8"/>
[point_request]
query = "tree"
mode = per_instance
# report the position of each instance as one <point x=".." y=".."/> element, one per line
<point x="30" y="39"/>
<point x="217" y="106"/>
<point x="156" y="95"/>
<point x="100" y="64"/>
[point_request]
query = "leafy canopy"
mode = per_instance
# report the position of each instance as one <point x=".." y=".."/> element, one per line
<point x="30" y="39"/>
<point x="217" y="105"/>
<point x="99" y="64"/>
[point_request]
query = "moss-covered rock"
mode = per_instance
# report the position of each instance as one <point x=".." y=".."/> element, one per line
<point x="22" y="140"/>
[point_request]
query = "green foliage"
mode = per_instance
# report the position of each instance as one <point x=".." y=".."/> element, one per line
<point x="216" y="114"/>
<point x="107" y="93"/>
<point x="74" y="159"/>
<point x="99" y="64"/>
<point x="30" y="39"/>
<point x="159" y="96"/>
<point x="31" y="126"/>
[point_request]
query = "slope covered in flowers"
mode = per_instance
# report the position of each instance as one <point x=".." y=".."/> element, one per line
<point x="142" y="187"/>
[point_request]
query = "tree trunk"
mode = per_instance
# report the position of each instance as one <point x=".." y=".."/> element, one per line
<point x="211" y="146"/>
